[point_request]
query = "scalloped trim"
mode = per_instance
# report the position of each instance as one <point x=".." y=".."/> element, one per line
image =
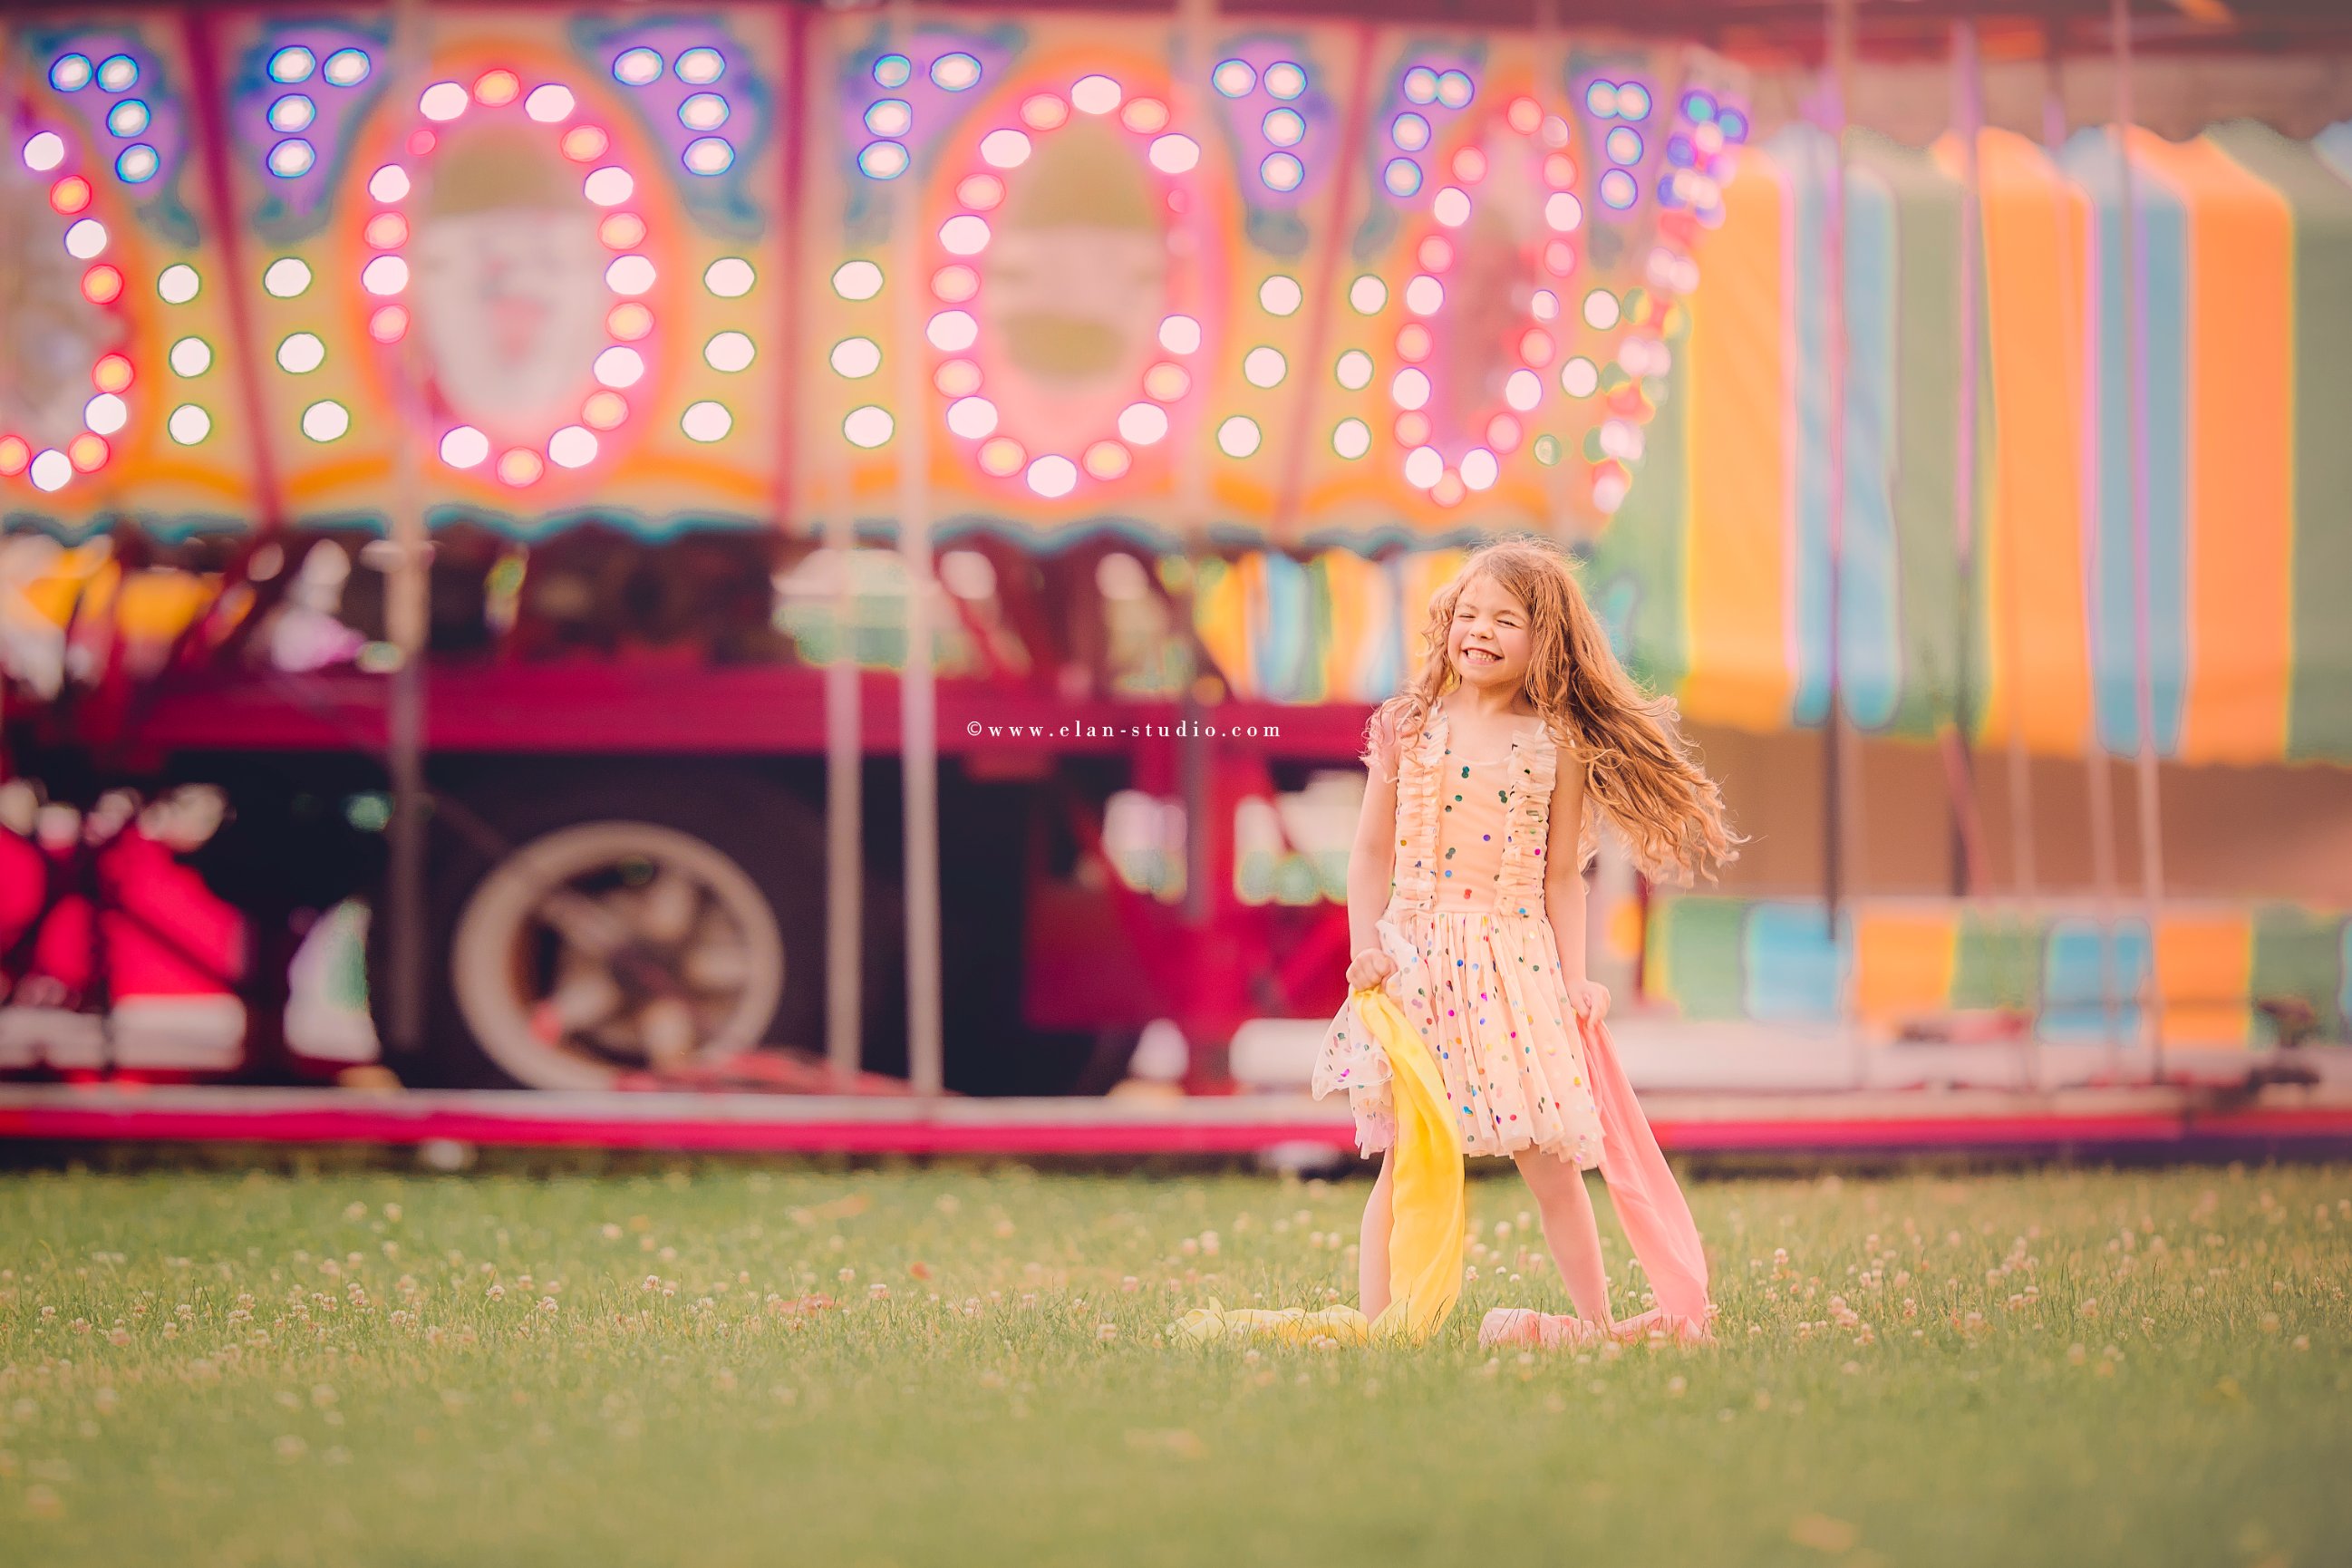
<point x="1526" y="820"/>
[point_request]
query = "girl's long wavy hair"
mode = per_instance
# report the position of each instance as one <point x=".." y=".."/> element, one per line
<point x="1638" y="769"/>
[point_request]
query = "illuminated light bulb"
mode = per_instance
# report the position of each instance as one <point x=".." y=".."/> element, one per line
<point x="604" y="410"/>
<point x="384" y="275"/>
<point x="1094" y="95"/>
<point x="52" y="471"/>
<point x="1601" y="310"/>
<point x="700" y="66"/>
<point x="1580" y="377"/>
<point x="1238" y="436"/>
<point x="856" y="358"/>
<point x="1633" y="101"/>
<point x="1448" y="490"/>
<point x="1546" y="305"/>
<point x="1411" y="428"/>
<point x="519" y="466"/>
<point x="1609" y="492"/>
<point x="1352" y="438"/>
<point x="1536" y="347"/>
<point x="708" y="421"/>
<point x="87" y="452"/>
<point x="585" y="144"/>
<point x="1470" y="164"/>
<point x="326" y="420"/>
<point x="980" y="191"/>
<point x="574" y="446"/>
<point x="629" y="275"/>
<point x="1280" y="295"/>
<point x="1052" y="476"/>
<point x="1600" y="99"/>
<point x="112" y="373"/>
<point x="1562" y="210"/>
<point x="1003" y="457"/>
<point x="301" y="354"/>
<point x="1436" y="253"/>
<point x="1281" y="172"/>
<point x="1503" y="433"/>
<point x="137" y="164"/>
<point x="1624" y="145"/>
<point x="443" y="100"/>
<point x="708" y="111"/>
<point x="13" y="455"/>
<point x="955" y="72"/>
<point x="495" y="88"/>
<point x="1144" y="116"/>
<point x="1402" y="177"/>
<point x="1619" y="192"/>
<point x="292" y="159"/>
<point x="708" y="155"/>
<point x="70" y="73"/>
<point x="619" y="366"/>
<point x="130" y="117"/>
<point x="120" y="73"/>
<point x="1284" y="127"/>
<point x="629" y="321"/>
<point x="177" y="284"/>
<point x="1175" y="153"/>
<point x="1412" y="343"/>
<point x="1524" y="115"/>
<point x="951" y="331"/>
<point x="731" y="277"/>
<point x="86" y="240"/>
<point x="1234" y="78"/>
<point x="1354" y="370"/>
<point x="106" y="412"/>
<point x="44" y="152"/>
<point x="190" y="357"/>
<point x="973" y="418"/>
<point x="1143" y="424"/>
<point x="1479" y="468"/>
<point x="621" y="231"/>
<point x="389" y="324"/>
<point x="188" y="424"/>
<point x="549" y="104"/>
<point x="1265" y="367"/>
<point x="890" y="117"/>
<point x="291" y="64"/>
<point x="1165" y="382"/>
<point x="1006" y="147"/>
<point x="1454" y="89"/>
<point x="964" y="235"/>
<point x="1424" y="468"/>
<point x="851" y="279"/>
<point x="386" y="231"/>
<point x="955" y="284"/>
<point x="1452" y="206"/>
<point x="868" y="426"/>
<point x="957" y="378"/>
<point x="347" y="67"/>
<point x="1523" y="389"/>
<point x="1285" y="79"/>
<point x="1108" y="460"/>
<point x="608" y="186"/>
<point x="102" y="285"/>
<point x="1560" y="171"/>
<point x="1424" y="295"/>
<point x="1367" y="295"/>
<point x="730" y="352"/>
<point x="70" y="195"/>
<point x="1410" y="389"/>
<point x="388" y="184"/>
<point x="1043" y="112"/>
<point x="1559" y="258"/>
<point x="1180" y="334"/>
<point x="639" y="66"/>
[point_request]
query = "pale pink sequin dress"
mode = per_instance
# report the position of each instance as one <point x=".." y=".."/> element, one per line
<point x="1478" y="971"/>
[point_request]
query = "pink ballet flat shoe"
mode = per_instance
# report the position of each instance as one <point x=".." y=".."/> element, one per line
<point x="1539" y="1330"/>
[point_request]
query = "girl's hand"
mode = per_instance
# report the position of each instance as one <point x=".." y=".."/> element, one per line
<point x="1369" y="968"/>
<point x="1588" y="998"/>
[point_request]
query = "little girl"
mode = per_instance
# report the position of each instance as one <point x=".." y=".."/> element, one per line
<point x="1466" y="902"/>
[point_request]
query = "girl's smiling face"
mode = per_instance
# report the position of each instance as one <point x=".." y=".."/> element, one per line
<point x="1487" y="644"/>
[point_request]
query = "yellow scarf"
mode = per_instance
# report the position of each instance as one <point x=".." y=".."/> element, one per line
<point x="1427" y="1206"/>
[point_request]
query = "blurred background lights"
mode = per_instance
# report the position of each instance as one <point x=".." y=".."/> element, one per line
<point x="1175" y="153"/>
<point x="388" y="184"/>
<point x="1479" y="468"/>
<point x="286" y="115"/>
<point x="856" y="358"/>
<point x="708" y="155"/>
<point x="464" y="447"/>
<point x="608" y="186"/>
<point x="728" y="352"/>
<point x="1108" y="460"/>
<point x="1166" y="382"/>
<point x="1367" y="294"/>
<point x="955" y="283"/>
<point x="442" y="101"/>
<point x="893" y="71"/>
<point x="1563" y="212"/>
<point x="1043" y="112"/>
<point x="1421" y="85"/>
<point x="1265" y="367"/>
<point x="287" y="278"/>
<point x="585" y="143"/>
<point x="388" y="323"/>
<point x="973" y="418"/>
<point x="112" y="372"/>
<point x="292" y="158"/>
<point x="292" y="64"/>
<point x="1523" y="389"/>
<point x="1633" y="101"/>
<point x="1238" y="436"/>
<point x="130" y="117"/>
<point x="1601" y="98"/>
<point x="1234" y="78"/>
<point x="1424" y="295"/>
<point x="700" y="66"/>
<point x="177" y="284"/>
<point x="1452" y="206"/>
<point x="549" y="104"/>
<point x="101" y="284"/>
<point x="1409" y="131"/>
<point x="383" y="275"/>
<point x="1280" y="295"/>
<point x="519" y="466"/>
<point x="137" y="164"/>
<point x="574" y="446"/>
<point x="1580" y="377"/>
<point x="70" y="194"/>
<point x="86" y="238"/>
<point x="1285" y="79"/>
<point x="620" y="366"/>
<point x="1144" y="116"/>
<point x="637" y="68"/>
<point x="628" y="275"/>
<point x="120" y="73"/>
<point x="730" y="278"/>
<point x="867" y="427"/>
<point x="1284" y="127"/>
<point x="851" y="279"/>
<point x="1402" y="177"/>
<point x="1281" y="172"/>
<point x="1617" y="190"/>
<point x="706" y="420"/>
<point x="326" y="420"/>
<point x="964" y="235"/>
<point x="1180" y="334"/>
<point x="191" y="357"/>
<point x="87" y="451"/>
<point x="1094" y="95"/>
<point x="1352" y="438"/>
<point x="70" y="73"/>
<point x="1143" y="424"/>
<point x="1354" y="370"/>
<point x="604" y="410"/>
<point x="884" y="117"/>
<point x="1002" y="456"/>
<point x="45" y="152"/>
<point x="1424" y="468"/>
<point x="346" y="68"/>
<point x="1410" y="389"/>
<point x="1601" y="310"/>
<point x="52" y="469"/>
<point x="955" y="72"/>
<point x="1053" y="477"/>
<point x="1453" y="90"/>
<point x="1624" y="144"/>
<point x="301" y="354"/>
<point x="188" y="424"/>
<point x="1006" y="147"/>
<point x="952" y="332"/>
<point x="106" y="412"/>
<point x="882" y="160"/>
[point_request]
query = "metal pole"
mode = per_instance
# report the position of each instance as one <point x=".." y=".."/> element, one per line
<point x="2151" y="826"/>
<point x="1837" y="77"/>
<point x="1965" y="87"/>
<point x="918" y="708"/>
<point x="407" y="625"/>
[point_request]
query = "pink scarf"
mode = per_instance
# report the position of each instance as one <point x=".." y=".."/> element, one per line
<point x="1649" y="1203"/>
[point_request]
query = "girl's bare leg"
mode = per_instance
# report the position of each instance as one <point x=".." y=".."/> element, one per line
<point x="1372" y="1247"/>
<point x="1569" y="1230"/>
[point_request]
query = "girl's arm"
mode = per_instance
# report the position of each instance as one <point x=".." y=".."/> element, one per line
<point x="1372" y="862"/>
<point x="1563" y="892"/>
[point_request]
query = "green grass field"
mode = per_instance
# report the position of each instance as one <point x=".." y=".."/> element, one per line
<point x="723" y="1365"/>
